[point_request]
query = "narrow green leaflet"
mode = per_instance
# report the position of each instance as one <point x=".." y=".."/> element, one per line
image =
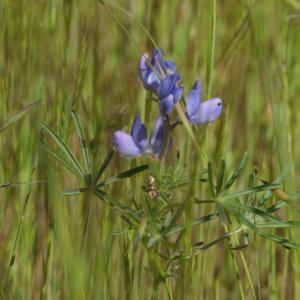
<point x="123" y="175"/>
<point x="259" y="188"/>
<point x="73" y="192"/>
<point x="211" y="180"/>
<point x="202" y="246"/>
<point x="279" y="179"/>
<point x="283" y="224"/>
<point x="295" y="196"/>
<point x="64" y="148"/>
<point x="123" y="209"/>
<point x="256" y="211"/>
<point x="280" y="204"/>
<point x="104" y="165"/>
<point x="62" y="160"/>
<point x="83" y="143"/>
<point x="278" y="239"/>
<point x="197" y="221"/>
<point x="220" y="178"/>
<point x="170" y="222"/>
<point x="236" y="173"/>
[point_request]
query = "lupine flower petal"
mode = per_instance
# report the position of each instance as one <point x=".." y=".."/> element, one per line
<point x="152" y="81"/>
<point x="158" y="56"/>
<point x="143" y="67"/>
<point x="139" y="133"/>
<point x="193" y="101"/>
<point x="157" y="136"/>
<point x="125" y="145"/>
<point x="170" y="67"/>
<point x="177" y="93"/>
<point x="209" y="111"/>
<point x="148" y="76"/>
<point x="166" y="105"/>
<point x="167" y="86"/>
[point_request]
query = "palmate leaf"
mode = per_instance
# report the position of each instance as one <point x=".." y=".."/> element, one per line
<point x="62" y="160"/>
<point x="123" y="209"/>
<point x="64" y="148"/>
<point x="12" y="120"/>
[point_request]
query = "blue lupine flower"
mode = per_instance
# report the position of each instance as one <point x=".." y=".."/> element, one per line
<point x="135" y="144"/>
<point x="160" y="76"/>
<point x="153" y="73"/>
<point x="157" y="137"/>
<point x="202" y="112"/>
<point x="169" y="93"/>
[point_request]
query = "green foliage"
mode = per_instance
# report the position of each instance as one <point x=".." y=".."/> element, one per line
<point x="208" y="221"/>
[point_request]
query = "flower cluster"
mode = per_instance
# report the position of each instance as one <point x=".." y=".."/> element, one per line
<point x="160" y="77"/>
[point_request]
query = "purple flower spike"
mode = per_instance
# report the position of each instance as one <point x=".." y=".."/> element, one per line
<point x="152" y="73"/>
<point x="202" y="112"/>
<point x="169" y="93"/>
<point x="149" y="75"/>
<point x="160" y="76"/>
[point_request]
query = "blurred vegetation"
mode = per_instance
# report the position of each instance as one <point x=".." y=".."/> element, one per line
<point x="57" y="56"/>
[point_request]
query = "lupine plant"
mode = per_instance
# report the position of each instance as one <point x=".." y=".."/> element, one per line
<point x="160" y="77"/>
<point x="133" y="172"/>
<point x="157" y="221"/>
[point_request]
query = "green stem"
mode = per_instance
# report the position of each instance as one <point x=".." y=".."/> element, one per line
<point x="235" y="266"/>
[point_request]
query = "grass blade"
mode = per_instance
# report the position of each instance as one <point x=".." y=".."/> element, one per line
<point x="11" y="121"/>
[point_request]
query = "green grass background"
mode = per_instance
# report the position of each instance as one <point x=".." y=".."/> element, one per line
<point x="84" y="55"/>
